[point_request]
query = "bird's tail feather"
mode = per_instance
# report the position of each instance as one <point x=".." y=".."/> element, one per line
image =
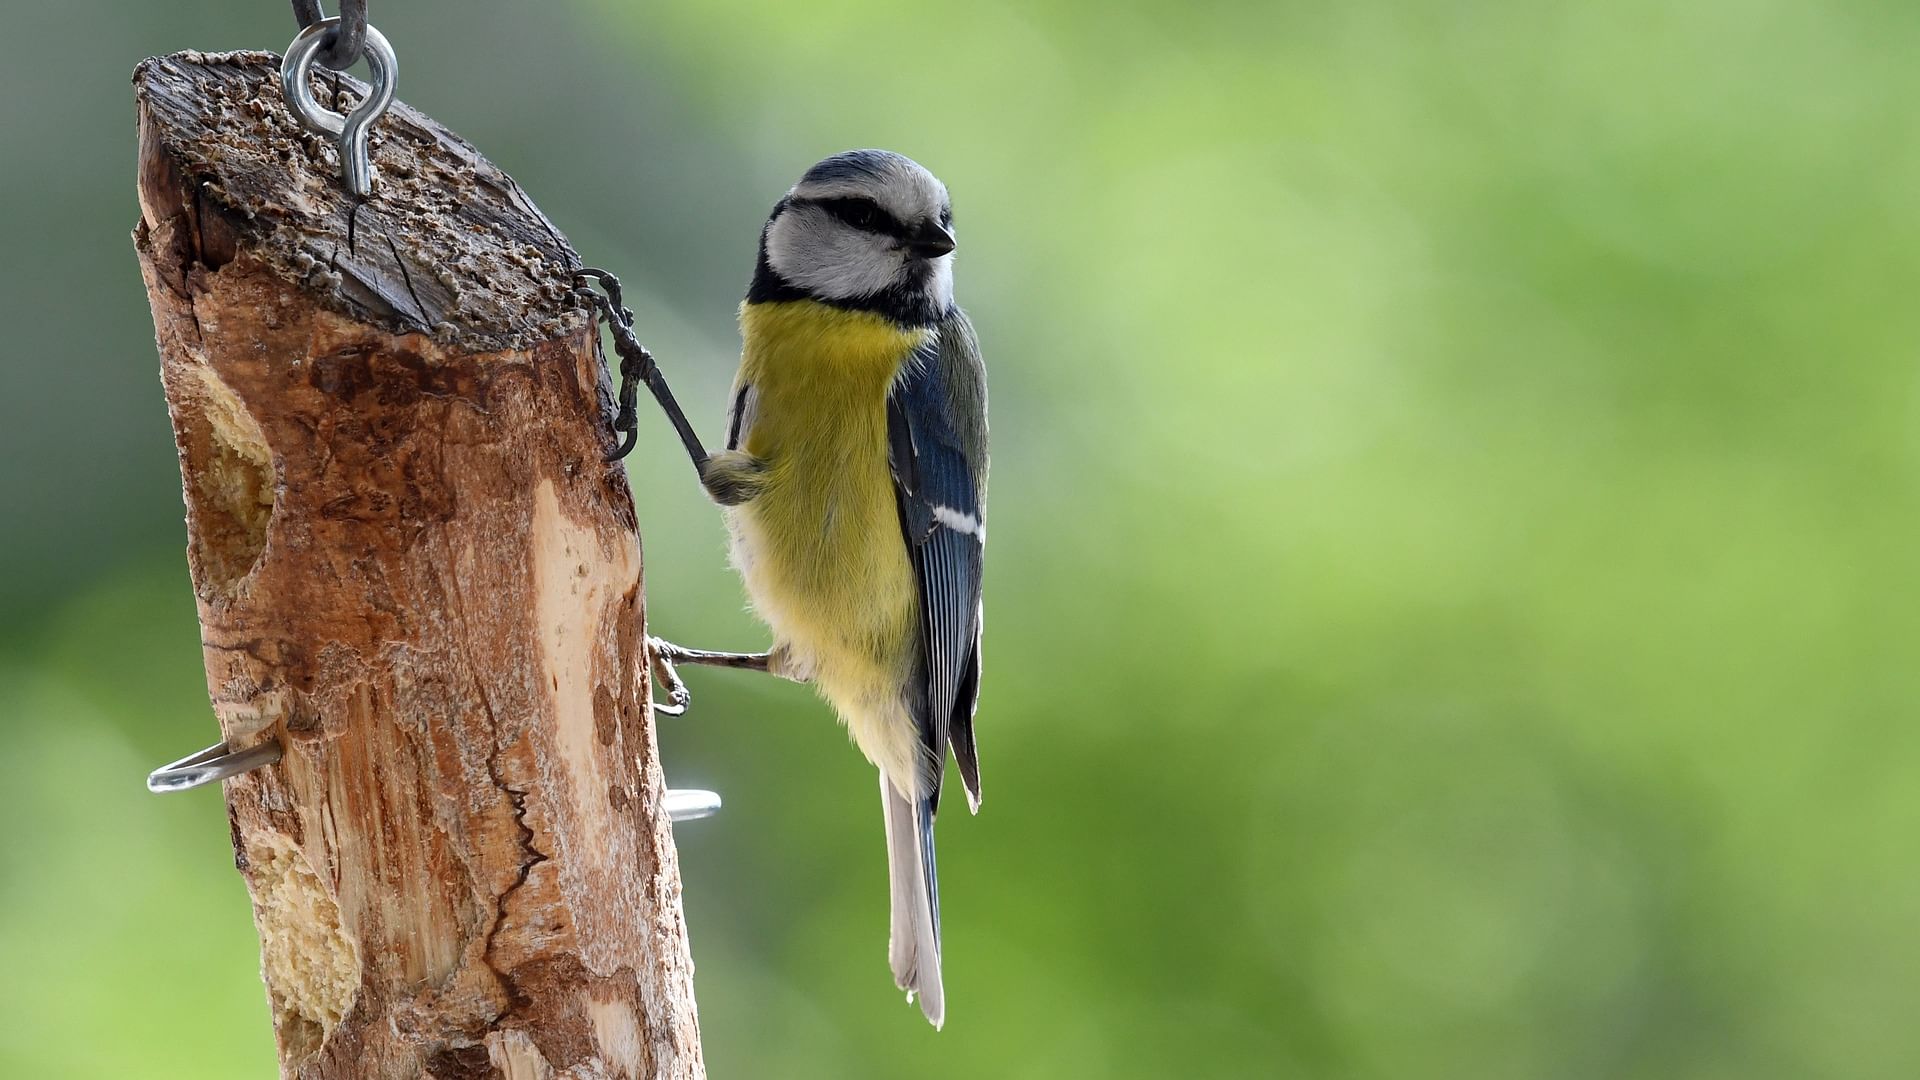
<point x="913" y="946"/>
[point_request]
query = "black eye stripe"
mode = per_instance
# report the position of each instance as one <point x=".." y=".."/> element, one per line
<point x="863" y="214"/>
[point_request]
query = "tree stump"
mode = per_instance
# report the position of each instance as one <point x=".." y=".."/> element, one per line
<point x="415" y="570"/>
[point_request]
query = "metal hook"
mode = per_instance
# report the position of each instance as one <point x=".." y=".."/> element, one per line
<point x="213" y="763"/>
<point x="349" y="131"/>
<point x="691" y="804"/>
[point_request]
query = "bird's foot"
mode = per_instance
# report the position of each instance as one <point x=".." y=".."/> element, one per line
<point x="733" y="477"/>
<point x="665" y="656"/>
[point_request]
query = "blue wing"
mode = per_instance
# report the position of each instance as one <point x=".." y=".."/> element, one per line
<point x="936" y="427"/>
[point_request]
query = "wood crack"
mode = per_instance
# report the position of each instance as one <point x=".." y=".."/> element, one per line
<point x="406" y="277"/>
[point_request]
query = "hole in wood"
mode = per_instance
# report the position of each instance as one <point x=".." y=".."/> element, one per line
<point x="230" y="502"/>
<point x="311" y="964"/>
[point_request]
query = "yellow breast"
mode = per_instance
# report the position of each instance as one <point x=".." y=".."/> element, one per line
<point x="820" y="547"/>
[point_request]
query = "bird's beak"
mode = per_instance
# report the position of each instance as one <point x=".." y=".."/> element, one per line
<point x="931" y="240"/>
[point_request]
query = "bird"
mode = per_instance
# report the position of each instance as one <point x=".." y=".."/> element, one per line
<point x="854" y="480"/>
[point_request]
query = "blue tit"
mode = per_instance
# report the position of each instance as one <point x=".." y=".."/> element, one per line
<point x="855" y="478"/>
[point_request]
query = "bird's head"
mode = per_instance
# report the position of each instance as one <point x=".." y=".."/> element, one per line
<point x="864" y="229"/>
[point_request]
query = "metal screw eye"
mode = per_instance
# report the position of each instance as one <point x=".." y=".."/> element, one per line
<point x="350" y="131"/>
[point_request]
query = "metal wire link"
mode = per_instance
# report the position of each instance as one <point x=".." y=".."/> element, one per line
<point x="345" y="41"/>
<point x="636" y="367"/>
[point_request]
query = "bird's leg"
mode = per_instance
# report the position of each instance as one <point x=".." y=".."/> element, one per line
<point x="670" y="653"/>
<point x="665" y="655"/>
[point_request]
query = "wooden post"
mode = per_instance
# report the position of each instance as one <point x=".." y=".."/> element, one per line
<point x="415" y="570"/>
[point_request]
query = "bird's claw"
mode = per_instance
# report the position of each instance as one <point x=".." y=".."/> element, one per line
<point x="668" y="677"/>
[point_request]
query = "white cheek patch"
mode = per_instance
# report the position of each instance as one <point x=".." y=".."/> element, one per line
<point x="961" y="522"/>
<point x="814" y="252"/>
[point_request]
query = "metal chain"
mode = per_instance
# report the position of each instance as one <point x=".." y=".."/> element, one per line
<point x="636" y="367"/>
<point x="344" y="44"/>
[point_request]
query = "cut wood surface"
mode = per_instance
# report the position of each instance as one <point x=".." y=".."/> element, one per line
<point x="414" y="570"/>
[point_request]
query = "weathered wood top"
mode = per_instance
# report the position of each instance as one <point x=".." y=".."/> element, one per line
<point x="447" y="244"/>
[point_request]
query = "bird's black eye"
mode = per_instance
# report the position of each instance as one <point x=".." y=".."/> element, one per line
<point x="946" y="216"/>
<point x="864" y="214"/>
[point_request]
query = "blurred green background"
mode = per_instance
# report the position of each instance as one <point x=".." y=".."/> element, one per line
<point x="1452" y="598"/>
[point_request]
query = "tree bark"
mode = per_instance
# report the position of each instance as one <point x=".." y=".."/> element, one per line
<point x="415" y="571"/>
